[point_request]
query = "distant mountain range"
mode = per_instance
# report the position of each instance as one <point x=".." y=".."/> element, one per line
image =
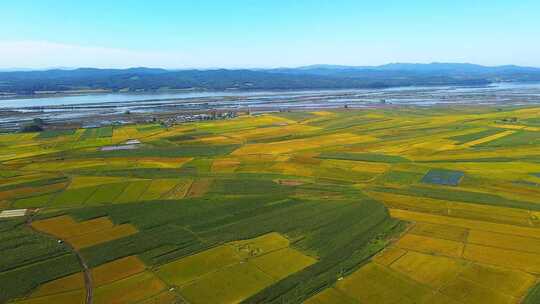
<point x="417" y="68"/>
<point x="307" y="77"/>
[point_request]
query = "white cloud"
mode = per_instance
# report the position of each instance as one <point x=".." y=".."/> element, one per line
<point x="43" y="54"/>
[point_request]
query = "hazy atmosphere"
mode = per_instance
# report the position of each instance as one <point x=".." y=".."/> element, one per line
<point x="250" y="33"/>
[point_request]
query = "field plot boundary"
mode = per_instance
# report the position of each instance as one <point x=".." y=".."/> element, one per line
<point x="89" y="286"/>
<point x="81" y="239"/>
<point x="466" y="223"/>
<point x="516" y="249"/>
<point x="252" y="254"/>
<point x="488" y="139"/>
<point x="405" y="264"/>
<point x="443" y="177"/>
<point x="38" y="293"/>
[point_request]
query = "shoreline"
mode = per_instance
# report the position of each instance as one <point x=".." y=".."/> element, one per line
<point x="13" y="96"/>
<point x="106" y="107"/>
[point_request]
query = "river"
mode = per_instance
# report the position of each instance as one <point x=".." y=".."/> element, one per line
<point x="13" y="111"/>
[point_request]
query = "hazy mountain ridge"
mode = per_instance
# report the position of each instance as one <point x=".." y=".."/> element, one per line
<point x="307" y="77"/>
<point x="441" y="68"/>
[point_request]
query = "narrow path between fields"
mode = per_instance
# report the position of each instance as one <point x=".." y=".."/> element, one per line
<point x="89" y="285"/>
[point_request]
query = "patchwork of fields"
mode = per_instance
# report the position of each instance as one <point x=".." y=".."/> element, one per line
<point x="441" y="204"/>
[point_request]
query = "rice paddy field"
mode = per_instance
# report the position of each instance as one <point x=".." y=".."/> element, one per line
<point x="402" y="205"/>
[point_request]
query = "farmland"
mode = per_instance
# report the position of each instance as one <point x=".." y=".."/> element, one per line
<point x="442" y="204"/>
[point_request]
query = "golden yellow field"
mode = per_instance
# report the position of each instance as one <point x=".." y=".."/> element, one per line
<point x="116" y="270"/>
<point x="130" y="290"/>
<point x="512" y="259"/>
<point x="232" y="272"/>
<point x="466" y="223"/>
<point x="192" y="267"/>
<point x="84" y="234"/>
<point x="70" y="297"/>
<point x="432" y="270"/>
<point x="66" y="227"/>
<point x="101" y="236"/>
<point x="331" y="296"/>
<point x="62" y="285"/>
<point x="302" y="144"/>
<point x="199" y="187"/>
<point x="488" y="138"/>
<point x="431" y="245"/>
<point x="230" y="285"/>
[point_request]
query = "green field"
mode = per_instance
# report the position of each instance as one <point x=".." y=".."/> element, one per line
<point x="281" y="208"/>
<point x="54" y="133"/>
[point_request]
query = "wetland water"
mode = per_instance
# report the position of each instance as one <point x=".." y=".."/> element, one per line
<point x="78" y="106"/>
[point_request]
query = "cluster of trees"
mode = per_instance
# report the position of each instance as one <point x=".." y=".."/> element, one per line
<point x="35" y="126"/>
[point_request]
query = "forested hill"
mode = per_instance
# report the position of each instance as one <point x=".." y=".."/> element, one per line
<point x="310" y="77"/>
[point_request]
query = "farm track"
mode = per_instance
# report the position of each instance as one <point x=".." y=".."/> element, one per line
<point x="88" y="283"/>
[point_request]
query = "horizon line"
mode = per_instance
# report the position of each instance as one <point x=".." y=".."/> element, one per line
<point x="32" y="69"/>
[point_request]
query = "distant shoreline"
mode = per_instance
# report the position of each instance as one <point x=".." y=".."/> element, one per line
<point x="58" y="94"/>
<point x="14" y="96"/>
<point x="89" y="108"/>
<point x="109" y="99"/>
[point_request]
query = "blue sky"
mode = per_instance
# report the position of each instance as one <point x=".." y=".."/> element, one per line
<point x="266" y="33"/>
